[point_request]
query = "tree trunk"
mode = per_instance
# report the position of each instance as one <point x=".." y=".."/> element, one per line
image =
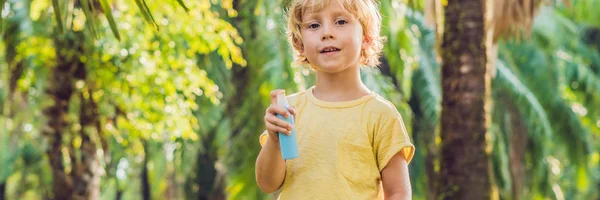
<point x="113" y="156"/>
<point x="201" y="184"/>
<point x="465" y="172"/>
<point x="119" y="194"/>
<point x="2" y="190"/>
<point x="172" y="184"/>
<point x="145" y="182"/>
<point x="59" y="90"/>
<point x="118" y="191"/>
<point x="207" y="177"/>
<point x="15" y="100"/>
<point x="430" y="158"/>
<point x="145" y="178"/>
<point x="207" y="182"/>
<point x="85" y="174"/>
<point x="517" y="149"/>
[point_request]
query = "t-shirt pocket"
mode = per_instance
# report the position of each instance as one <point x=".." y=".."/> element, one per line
<point x="356" y="163"/>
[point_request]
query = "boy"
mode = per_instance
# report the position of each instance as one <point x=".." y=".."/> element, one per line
<point x="352" y="143"/>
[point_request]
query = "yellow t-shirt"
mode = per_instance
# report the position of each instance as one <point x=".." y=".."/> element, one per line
<point x="342" y="147"/>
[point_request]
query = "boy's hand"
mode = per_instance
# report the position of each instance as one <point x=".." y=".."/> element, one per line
<point x="272" y="123"/>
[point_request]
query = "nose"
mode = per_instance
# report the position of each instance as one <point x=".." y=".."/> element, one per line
<point x="327" y="33"/>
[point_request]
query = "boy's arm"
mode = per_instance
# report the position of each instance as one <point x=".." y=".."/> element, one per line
<point x="395" y="178"/>
<point x="270" y="167"/>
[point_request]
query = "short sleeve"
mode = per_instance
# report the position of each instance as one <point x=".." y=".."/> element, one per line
<point x="390" y="138"/>
<point x="262" y="139"/>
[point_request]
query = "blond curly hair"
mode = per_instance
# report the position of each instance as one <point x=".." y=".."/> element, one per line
<point x="367" y="13"/>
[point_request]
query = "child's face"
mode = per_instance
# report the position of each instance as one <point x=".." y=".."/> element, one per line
<point x="332" y="38"/>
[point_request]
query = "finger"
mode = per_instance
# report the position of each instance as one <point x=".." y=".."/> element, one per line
<point x="274" y="94"/>
<point x="292" y="110"/>
<point x="278" y="110"/>
<point x="279" y="122"/>
<point x="277" y="129"/>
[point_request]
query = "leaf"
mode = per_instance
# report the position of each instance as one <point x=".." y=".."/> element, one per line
<point x="57" y="12"/>
<point x="109" y="17"/>
<point x="426" y="81"/>
<point x="183" y="5"/>
<point x="150" y="14"/>
<point x="2" y="2"/>
<point x="89" y="18"/>
<point x="527" y="101"/>
<point x="146" y="13"/>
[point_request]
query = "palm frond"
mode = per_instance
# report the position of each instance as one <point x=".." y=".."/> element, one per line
<point x="584" y="12"/>
<point x="578" y="62"/>
<point x="399" y="51"/>
<point x="426" y="81"/>
<point x="532" y="113"/>
<point x="560" y="71"/>
<point x="564" y="122"/>
<point x="57" y="13"/>
<point x="268" y="67"/>
<point x="146" y="13"/>
<point x="527" y="102"/>
<point x="550" y="29"/>
<point x="111" y="21"/>
<point x="2" y="2"/>
<point x="513" y="17"/>
<point x="500" y="157"/>
<point x="584" y="82"/>
<point x="425" y="102"/>
<point x="90" y="22"/>
<point x="180" y="2"/>
<point x="538" y="71"/>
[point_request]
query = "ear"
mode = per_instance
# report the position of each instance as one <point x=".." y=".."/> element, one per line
<point x="366" y="41"/>
<point x="298" y="42"/>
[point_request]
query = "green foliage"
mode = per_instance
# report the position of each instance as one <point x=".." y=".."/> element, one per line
<point x="179" y="88"/>
<point x="552" y="79"/>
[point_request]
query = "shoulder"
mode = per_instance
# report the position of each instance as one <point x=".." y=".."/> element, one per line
<point x="379" y="106"/>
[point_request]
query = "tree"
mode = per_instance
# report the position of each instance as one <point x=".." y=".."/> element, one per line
<point x="174" y="111"/>
<point x="94" y="88"/>
<point x="465" y="172"/>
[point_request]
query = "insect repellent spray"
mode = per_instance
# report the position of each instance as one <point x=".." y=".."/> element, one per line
<point x="289" y="146"/>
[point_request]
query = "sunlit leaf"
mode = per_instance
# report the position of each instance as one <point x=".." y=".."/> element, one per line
<point x="108" y="12"/>
<point x="57" y="14"/>
<point x="89" y="18"/>
<point x="2" y="2"/>
<point x="183" y="5"/>
<point x="146" y="13"/>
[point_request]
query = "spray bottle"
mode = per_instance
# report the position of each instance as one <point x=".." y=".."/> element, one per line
<point x="288" y="144"/>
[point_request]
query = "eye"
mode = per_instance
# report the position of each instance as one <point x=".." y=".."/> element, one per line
<point x="341" y="22"/>
<point x="313" y="26"/>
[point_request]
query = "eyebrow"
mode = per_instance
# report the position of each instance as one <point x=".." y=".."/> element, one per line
<point x="312" y="15"/>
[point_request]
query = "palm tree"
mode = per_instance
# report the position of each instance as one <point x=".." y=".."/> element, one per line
<point x="426" y="106"/>
<point x="538" y="107"/>
<point x="243" y="88"/>
<point x="79" y="178"/>
<point x="15" y="71"/>
<point x="465" y="172"/>
<point x="534" y="130"/>
<point x="60" y="90"/>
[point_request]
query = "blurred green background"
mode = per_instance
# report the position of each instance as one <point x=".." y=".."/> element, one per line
<point x="105" y="99"/>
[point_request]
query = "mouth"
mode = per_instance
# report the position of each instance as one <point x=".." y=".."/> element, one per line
<point x="329" y="49"/>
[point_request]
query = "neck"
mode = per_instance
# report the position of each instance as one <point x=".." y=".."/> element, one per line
<point x="341" y="86"/>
